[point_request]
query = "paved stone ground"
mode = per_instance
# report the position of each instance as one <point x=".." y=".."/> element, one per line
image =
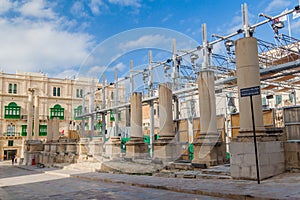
<point x="285" y="186"/>
<point x="32" y="183"/>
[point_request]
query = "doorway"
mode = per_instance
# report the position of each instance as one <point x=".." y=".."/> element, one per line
<point x="9" y="153"/>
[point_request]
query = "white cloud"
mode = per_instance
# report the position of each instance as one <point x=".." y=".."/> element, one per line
<point x="69" y="73"/>
<point x="45" y="44"/>
<point x="95" y="71"/>
<point x="146" y="41"/>
<point x="95" y="6"/>
<point x="120" y="66"/>
<point x="37" y="8"/>
<point x="133" y="3"/>
<point x="5" y="5"/>
<point x="78" y="9"/>
<point x="277" y="4"/>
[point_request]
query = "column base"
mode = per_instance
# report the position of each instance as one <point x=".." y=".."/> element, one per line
<point x="136" y="148"/>
<point x="270" y="149"/>
<point x="113" y="148"/>
<point x="96" y="146"/>
<point x="209" y="154"/>
<point x="166" y="149"/>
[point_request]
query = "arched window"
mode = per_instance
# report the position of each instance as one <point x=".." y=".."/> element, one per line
<point x="77" y="112"/>
<point x="57" y="111"/>
<point x="12" y="111"/>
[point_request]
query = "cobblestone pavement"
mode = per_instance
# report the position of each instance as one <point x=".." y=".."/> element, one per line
<point x="19" y="183"/>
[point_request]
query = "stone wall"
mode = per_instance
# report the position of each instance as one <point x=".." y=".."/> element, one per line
<point x="292" y="155"/>
<point x="270" y="156"/>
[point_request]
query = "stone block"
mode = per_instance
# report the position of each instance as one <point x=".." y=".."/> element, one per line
<point x="167" y="151"/>
<point x="136" y="150"/>
<point x="237" y="159"/>
<point x="235" y="170"/>
<point x="276" y="158"/>
<point x="264" y="159"/>
<point x="270" y="155"/>
<point x="249" y="159"/>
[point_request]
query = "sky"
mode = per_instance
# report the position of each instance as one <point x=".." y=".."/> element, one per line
<point x="69" y="37"/>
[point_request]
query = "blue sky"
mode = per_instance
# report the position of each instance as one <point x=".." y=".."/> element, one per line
<point x="62" y="38"/>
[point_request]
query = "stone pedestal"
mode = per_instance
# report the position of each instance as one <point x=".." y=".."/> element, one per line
<point x="136" y="148"/>
<point x="209" y="154"/>
<point x="270" y="155"/>
<point x="96" y="146"/>
<point x="167" y="150"/>
<point x="32" y="152"/>
<point x="82" y="146"/>
<point x="113" y="147"/>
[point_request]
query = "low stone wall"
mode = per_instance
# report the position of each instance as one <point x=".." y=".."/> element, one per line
<point x="70" y="150"/>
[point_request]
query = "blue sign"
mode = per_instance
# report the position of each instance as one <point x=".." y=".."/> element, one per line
<point x="245" y="92"/>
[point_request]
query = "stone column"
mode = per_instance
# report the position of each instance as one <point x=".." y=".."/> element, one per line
<point x="136" y="120"/>
<point x="55" y="129"/>
<point x="248" y="75"/>
<point x="50" y="130"/>
<point x="29" y="116"/>
<point x="208" y="148"/>
<point x="36" y="118"/>
<point x="166" y="147"/>
<point x="136" y="147"/>
<point x="270" y="150"/>
<point x="207" y="106"/>
<point x="165" y="112"/>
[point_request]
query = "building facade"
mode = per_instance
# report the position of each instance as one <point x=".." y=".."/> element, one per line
<point x="50" y="98"/>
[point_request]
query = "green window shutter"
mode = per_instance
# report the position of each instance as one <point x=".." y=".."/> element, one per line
<point x="10" y="88"/>
<point x="58" y="91"/>
<point x="278" y="99"/>
<point x="54" y="91"/>
<point x="24" y="130"/>
<point x="77" y="112"/>
<point x="57" y="111"/>
<point x="112" y="117"/>
<point x="15" y="88"/>
<point x="12" y="111"/>
<point x="10" y="143"/>
<point x="43" y="130"/>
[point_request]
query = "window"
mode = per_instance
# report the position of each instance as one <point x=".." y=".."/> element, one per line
<point x="12" y="111"/>
<point x="79" y="93"/>
<point x="57" y="111"/>
<point x="112" y="115"/>
<point x="43" y="130"/>
<point x="10" y="143"/>
<point x="11" y="128"/>
<point x="112" y="95"/>
<point x="77" y="112"/>
<point x="24" y="130"/>
<point x="56" y="91"/>
<point x="15" y="88"/>
<point x="10" y="88"/>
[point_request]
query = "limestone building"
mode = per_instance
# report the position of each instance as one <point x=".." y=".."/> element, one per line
<point x="54" y="97"/>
